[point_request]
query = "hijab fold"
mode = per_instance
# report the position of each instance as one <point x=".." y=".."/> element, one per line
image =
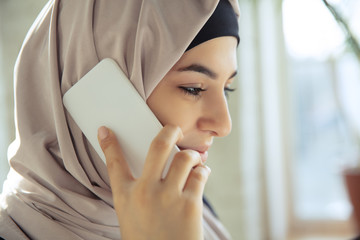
<point x="58" y="187"/>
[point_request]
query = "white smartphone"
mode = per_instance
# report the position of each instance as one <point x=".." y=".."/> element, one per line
<point x="106" y="97"/>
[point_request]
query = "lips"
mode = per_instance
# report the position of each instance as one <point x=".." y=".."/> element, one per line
<point x="204" y="156"/>
<point x="203" y="151"/>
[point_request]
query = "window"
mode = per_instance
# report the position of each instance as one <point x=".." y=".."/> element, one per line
<point x="324" y="77"/>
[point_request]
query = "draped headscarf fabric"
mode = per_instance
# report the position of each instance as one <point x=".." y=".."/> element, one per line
<point x="58" y="187"/>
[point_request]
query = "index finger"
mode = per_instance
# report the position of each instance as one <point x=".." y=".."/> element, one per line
<point x="160" y="150"/>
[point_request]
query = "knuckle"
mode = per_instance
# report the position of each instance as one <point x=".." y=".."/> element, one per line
<point x="112" y="161"/>
<point x="183" y="155"/>
<point x="199" y="176"/>
<point x="186" y="157"/>
<point x="106" y="143"/>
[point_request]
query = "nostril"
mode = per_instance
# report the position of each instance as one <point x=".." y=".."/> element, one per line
<point x="218" y="126"/>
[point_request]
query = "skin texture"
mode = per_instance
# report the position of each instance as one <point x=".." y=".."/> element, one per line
<point x="153" y="208"/>
<point x="205" y="115"/>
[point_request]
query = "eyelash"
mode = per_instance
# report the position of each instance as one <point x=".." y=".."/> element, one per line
<point x="196" y="92"/>
<point x="193" y="91"/>
<point x="228" y="90"/>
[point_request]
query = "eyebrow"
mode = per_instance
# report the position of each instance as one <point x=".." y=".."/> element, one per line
<point x="204" y="70"/>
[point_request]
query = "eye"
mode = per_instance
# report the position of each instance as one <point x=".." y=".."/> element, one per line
<point x="194" y="91"/>
<point x="228" y="90"/>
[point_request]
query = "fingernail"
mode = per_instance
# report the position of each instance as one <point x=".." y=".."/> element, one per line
<point x="208" y="168"/>
<point x="103" y="132"/>
<point x="203" y="170"/>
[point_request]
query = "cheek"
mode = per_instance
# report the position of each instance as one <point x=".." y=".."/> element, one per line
<point x="171" y="109"/>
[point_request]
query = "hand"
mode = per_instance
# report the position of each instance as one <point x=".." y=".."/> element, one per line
<point x="150" y="207"/>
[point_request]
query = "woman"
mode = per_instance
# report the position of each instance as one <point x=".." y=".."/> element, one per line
<point x="180" y="56"/>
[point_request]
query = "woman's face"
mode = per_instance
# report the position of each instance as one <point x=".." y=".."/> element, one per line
<point x="192" y="95"/>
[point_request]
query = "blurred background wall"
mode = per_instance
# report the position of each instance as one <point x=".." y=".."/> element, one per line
<point x="16" y="18"/>
<point x="296" y="116"/>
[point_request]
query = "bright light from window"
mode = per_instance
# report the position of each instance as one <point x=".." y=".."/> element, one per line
<point x="355" y="18"/>
<point x="324" y="144"/>
<point x="309" y="28"/>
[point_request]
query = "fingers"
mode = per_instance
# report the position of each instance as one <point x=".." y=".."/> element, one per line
<point x="186" y="173"/>
<point x="196" y="182"/>
<point x="159" y="152"/>
<point x="181" y="167"/>
<point x="118" y="169"/>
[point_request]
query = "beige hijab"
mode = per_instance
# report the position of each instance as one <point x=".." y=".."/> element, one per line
<point x="58" y="187"/>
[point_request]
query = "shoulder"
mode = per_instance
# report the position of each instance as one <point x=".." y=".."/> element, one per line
<point x="9" y="229"/>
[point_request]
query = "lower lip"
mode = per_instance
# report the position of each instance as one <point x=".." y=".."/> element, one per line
<point x="204" y="156"/>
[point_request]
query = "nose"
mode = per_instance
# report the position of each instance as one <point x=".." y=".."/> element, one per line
<point x="216" y="116"/>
